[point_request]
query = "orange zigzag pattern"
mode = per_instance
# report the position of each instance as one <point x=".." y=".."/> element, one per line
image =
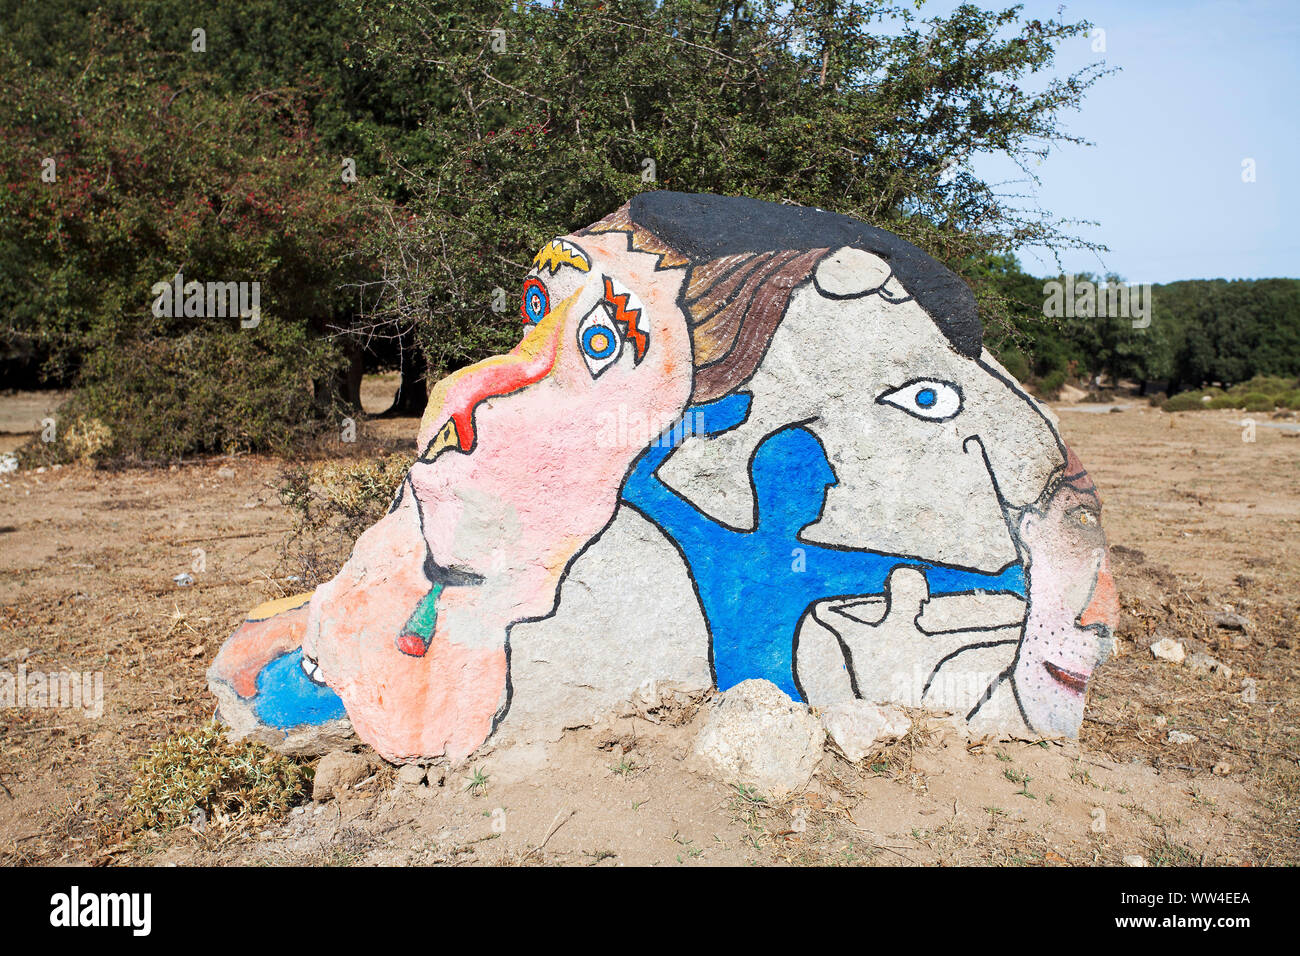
<point x="630" y="317"/>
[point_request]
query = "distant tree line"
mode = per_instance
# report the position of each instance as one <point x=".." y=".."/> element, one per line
<point x="1198" y="332"/>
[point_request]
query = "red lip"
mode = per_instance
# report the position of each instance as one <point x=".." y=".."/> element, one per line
<point x="1075" y="682"/>
<point x="411" y="644"/>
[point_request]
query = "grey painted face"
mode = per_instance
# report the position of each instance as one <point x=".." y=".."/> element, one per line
<point x="931" y="448"/>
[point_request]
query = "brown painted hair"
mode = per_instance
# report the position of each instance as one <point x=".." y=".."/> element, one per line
<point x="744" y="258"/>
<point x="733" y="303"/>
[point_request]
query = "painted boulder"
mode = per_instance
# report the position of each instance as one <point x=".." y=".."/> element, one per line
<point x="737" y="440"/>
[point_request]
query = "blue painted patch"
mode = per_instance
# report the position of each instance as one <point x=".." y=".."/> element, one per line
<point x="751" y="594"/>
<point x="286" y="697"/>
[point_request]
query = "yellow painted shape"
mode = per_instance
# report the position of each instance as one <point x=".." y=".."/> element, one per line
<point x="279" y="606"/>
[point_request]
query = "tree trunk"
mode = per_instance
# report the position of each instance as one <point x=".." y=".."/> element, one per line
<point x="344" y="386"/>
<point x="412" y="394"/>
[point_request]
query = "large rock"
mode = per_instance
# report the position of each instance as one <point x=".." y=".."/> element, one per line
<point x="736" y="441"/>
<point x="756" y="736"/>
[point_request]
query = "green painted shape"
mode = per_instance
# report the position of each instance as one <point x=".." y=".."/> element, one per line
<point x="425" y="616"/>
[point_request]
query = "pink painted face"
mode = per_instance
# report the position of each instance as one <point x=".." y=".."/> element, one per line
<point x="1073" y="607"/>
<point x="516" y="475"/>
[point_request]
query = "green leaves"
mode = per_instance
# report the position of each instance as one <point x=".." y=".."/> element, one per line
<point x="200" y="772"/>
<point x="479" y="130"/>
<point x="154" y="178"/>
<point x="821" y="104"/>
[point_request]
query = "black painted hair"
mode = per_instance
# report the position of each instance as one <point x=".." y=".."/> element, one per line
<point x="702" y="227"/>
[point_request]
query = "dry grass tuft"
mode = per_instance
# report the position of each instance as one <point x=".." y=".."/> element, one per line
<point x="201" y="772"/>
<point x="332" y="503"/>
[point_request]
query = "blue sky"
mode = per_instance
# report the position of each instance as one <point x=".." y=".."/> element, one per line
<point x="1203" y="86"/>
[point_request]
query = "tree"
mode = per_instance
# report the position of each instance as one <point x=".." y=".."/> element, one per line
<point x="1230" y="332"/>
<point x="562" y="112"/>
<point x="117" y="181"/>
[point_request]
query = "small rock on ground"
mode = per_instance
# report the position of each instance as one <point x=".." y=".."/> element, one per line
<point x="757" y="736"/>
<point x="1205" y="664"/>
<point x="1168" y="649"/>
<point x="411" y="775"/>
<point x="337" y="772"/>
<point x="856" y="726"/>
<point x="1231" y="622"/>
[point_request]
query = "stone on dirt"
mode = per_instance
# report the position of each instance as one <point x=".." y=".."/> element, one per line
<point x="411" y="775"/>
<point x="1168" y="650"/>
<point x="757" y="736"/>
<point x="1205" y="664"/>
<point x="857" y="726"/>
<point x="773" y="447"/>
<point x="1231" y="622"/>
<point x="338" y="772"/>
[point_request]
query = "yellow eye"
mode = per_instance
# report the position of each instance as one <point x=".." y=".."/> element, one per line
<point x="1087" y="518"/>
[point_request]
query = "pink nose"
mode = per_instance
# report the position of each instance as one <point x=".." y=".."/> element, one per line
<point x="1104" y="606"/>
<point x="453" y="400"/>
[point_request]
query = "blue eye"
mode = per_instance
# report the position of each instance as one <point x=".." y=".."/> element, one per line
<point x="599" y="342"/>
<point x="926" y="398"/>
<point x="600" y="339"/>
<point x="536" y="302"/>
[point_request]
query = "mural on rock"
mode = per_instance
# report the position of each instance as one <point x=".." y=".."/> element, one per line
<point x="737" y="440"/>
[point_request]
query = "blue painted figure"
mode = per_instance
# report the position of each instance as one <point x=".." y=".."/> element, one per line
<point x="754" y="586"/>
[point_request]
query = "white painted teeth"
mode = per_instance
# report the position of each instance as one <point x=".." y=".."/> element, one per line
<point x="312" y="669"/>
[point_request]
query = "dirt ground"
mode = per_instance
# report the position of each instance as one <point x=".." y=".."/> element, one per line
<point x="1201" y="523"/>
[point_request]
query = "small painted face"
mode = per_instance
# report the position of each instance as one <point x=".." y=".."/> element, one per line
<point x="1072" y="607"/>
<point x="514" y="475"/>
<point x="933" y="443"/>
<point x="928" y="444"/>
